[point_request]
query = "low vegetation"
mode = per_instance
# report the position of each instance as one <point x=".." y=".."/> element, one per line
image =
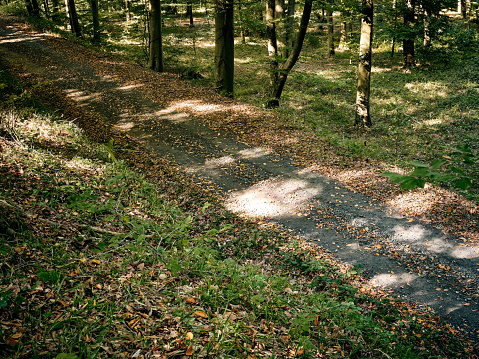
<point x="99" y="260"/>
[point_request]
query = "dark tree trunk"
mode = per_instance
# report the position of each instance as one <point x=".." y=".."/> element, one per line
<point x="224" y="47"/>
<point x="127" y="10"/>
<point x="272" y="42"/>
<point x="329" y="15"/>
<point x="74" y="18"/>
<point x="288" y="33"/>
<point x="189" y="12"/>
<point x="156" y="44"/>
<point x="408" y="43"/>
<point x="363" y="117"/>
<point x="36" y="8"/>
<point x="283" y="72"/>
<point x="28" y="5"/>
<point x="96" y="20"/>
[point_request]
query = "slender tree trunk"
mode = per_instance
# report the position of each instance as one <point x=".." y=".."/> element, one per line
<point x="127" y="10"/>
<point x="344" y="36"/>
<point x="74" y="18"/>
<point x="280" y="15"/>
<point x="224" y="47"/>
<point x="189" y="12"/>
<point x="427" y="30"/>
<point x="96" y="20"/>
<point x="288" y="35"/>
<point x="155" y="35"/>
<point x="272" y="42"/>
<point x="363" y="117"/>
<point x="329" y="15"/>
<point x="36" y="8"/>
<point x="408" y="43"/>
<point x="46" y="8"/>
<point x="286" y="67"/>
<point x="242" y="25"/>
<point x="28" y="5"/>
<point x="463" y="8"/>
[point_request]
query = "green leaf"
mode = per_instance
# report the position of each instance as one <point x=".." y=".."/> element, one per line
<point x="463" y="149"/>
<point x="412" y="182"/>
<point x="457" y="170"/>
<point x="418" y="164"/>
<point x="419" y="171"/>
<point x="445" y="178"/>
<point x="464" y="183"/>
<point x="437" y="163"/>
<point x="395" y="177"/>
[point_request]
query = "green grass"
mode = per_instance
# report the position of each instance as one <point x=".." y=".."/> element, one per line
<point x="417" y="115"/>
<point x="97" y="262"/>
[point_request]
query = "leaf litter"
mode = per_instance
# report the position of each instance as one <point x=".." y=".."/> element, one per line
<point x="138" y="304"/>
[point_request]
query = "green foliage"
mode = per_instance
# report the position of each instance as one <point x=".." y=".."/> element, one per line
<point x="423" y="172"/>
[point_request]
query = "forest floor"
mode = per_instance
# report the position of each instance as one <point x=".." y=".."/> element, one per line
<point x="421" y="245"/>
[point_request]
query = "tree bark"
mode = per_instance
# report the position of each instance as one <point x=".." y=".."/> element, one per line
<point x="127" y="10"/>
<point x="329" y="15"/>
<point x="288" y="33"/>
<point x="189" y="12"/>
<point x="363" y="117"/>
<point x="272" y="42"/>
<point x="74" y="18"/>
<point x="28" y="5"/>
<point x="224" y="47"/>
<point x="287" y="66"/>
<point x="96" y="20"/>
<point x="155" y="61"/>
<point x="36" y="8"/>
<point x="408" y="43"/>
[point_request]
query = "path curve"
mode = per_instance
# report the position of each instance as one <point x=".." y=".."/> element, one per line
<point x="415" y="261"/>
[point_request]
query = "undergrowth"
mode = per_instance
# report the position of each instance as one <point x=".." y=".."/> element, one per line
<point x="96" y="261"/>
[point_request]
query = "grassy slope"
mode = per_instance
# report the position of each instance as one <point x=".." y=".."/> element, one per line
<point x="97" y="260"/>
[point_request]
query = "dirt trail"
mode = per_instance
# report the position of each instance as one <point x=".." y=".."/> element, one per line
<point x="415" y="261"/>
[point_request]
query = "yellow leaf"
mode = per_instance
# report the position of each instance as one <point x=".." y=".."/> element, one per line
<point x="191" y="301"/>
<point x="95" y="261"/>
<point x="189" y="351"/>
<point x="189" y="336"/>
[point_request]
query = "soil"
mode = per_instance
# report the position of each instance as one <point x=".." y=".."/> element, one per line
<point x="421" y="245"/>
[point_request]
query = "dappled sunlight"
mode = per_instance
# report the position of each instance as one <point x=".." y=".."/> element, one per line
<point x="272" y="198"/>
<point x="82" y="96"/>
<point x="200" y="107"/>
<point x="403" y="200"/>
<point x="391" y="280"/>
<point x="129" y="87"/>
<point x="255" y="152"/>
<point x="428" y="90"/>
<point x="222" y="161"/>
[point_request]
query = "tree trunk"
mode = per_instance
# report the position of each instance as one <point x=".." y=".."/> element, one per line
<point x="224" y="47"/>
<point x="74" y="18"/>
<point x="155" y="37"/>
<point x="127" y="10"/>
<point x="329" y="15"/>
<point x="286" y="67"/>
<point x="408" y="43"/>
<point x="363" y="117"/>
<point x="427" y="30"/>
<point x="28" y="5"/>
<point x="96" y="20"/>
<point x="344" y="37"/>
<point x="272" y="43"/>
<point x="36" y="8"/>
<point x="189" y="12"/>
<point x="288" y="33"/>
<point x="280" y="15"/>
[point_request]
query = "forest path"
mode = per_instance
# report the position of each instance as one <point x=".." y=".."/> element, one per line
<point x="185" y="123"/>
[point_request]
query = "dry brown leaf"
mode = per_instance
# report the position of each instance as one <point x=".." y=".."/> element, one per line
<point x="191" y="301"/>
<point x="200" y="313"/>
<point x="189" y="336"/>
<point x="189" y="351"/>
